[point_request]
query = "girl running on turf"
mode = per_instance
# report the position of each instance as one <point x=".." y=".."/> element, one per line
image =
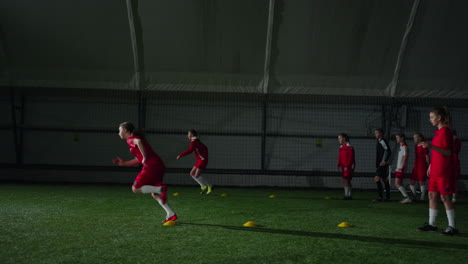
<point x="401" y="167"/>
<point x="456" y="164"/>
<point x="346" y="163"/>
<point x="150" y="179"/>
<point x="201" y="155"/>
<point x="421" y="163"/>
<point x="440" y="171"/>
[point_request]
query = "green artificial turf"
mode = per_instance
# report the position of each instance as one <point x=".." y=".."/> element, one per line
<point x="110" y="224"/>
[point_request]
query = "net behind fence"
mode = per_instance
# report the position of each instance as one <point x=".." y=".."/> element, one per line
<point x="253" y="139"/>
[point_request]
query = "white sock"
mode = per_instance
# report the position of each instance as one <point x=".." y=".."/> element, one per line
<point x="451" y="217"/>
<point x="167" y="208"/>
<point x="346" y="191"/>
<point x="413" y="189"/>
<point x="433" y="216"/>
<point x="151" y="189"/>
<point x="349" y="191"/>
<point x="198" y="180"/>
<point x="403" y="191"/>
<point x="423" y="191"/>
<point x="203" y="181"/>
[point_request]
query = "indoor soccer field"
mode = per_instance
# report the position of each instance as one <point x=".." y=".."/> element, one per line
<point x="109" y="224"/>
<point x="284" y="107"/>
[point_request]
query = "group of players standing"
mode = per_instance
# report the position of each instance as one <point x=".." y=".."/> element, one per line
<point x="442" y="168"/>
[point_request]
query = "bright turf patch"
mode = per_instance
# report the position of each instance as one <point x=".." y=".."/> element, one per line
<point x="109" y="224"/>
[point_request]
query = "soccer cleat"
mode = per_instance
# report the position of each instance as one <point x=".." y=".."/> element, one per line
<point x="172" y="218"/>
<point x="163" y="194"/>
<point x="450" y="231"/>
<point x="210" y="189"/>
<point x="204" y="188"/>
<point x="406" y="200"/>
<point x="378" y="200"/>
<point x="427" y="228"/>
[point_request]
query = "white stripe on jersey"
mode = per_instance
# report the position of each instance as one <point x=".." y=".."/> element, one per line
<point x="198" y="152"/>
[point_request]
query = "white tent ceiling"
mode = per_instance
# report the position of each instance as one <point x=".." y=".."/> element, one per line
<point x="321" y="47"/>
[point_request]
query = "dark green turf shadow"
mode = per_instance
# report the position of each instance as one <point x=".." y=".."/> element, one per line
<point x="279" y="197"/>
<point x="383" y="240"/>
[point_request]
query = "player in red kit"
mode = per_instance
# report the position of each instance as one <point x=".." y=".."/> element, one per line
<point x="440" y="171"/>
<point x="150" y="179"/>
<point x="456" y="164"/>
<point x="201" y="155"/>
<point x="421" y="163"/>
<point x="347" y="163"/>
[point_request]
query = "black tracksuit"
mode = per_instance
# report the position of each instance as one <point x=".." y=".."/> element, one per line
<point x="383" y="155"/>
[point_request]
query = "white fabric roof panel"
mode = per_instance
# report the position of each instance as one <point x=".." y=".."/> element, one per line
<point x="436" y="61"/>
<point x="66" y="43"/>
<point x="324" y="47"/>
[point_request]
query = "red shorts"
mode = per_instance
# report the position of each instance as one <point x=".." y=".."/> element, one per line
<point x="149" y="176"/>
<point x="442" y="185"/>
<point x="419" y="174"/>
<point x="399" y="175"/>
<point x="347" y="173"/>
<point x="201" y="164"/>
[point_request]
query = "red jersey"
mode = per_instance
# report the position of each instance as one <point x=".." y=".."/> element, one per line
<point x="456" y="151"/>
<point x="420" y="161"/>
<point x="456" y="160"/>
<point x="197" y="147"/>
<point x="152" y="159"/>
<point x="441" y="165"/>
<point x="346" y="156"/>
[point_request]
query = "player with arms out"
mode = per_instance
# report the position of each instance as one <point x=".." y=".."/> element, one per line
<point x="201" y="155"/>
<point x="421" y="163"/>
<point x="347" y="163"/>
<point x="150" y="179"/>
<point x="401" y="167"/>
<point x="440" y="171"/>
<point x="383" y="154"/>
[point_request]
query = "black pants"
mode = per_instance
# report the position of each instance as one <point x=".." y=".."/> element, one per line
<point x="382" y="172"/>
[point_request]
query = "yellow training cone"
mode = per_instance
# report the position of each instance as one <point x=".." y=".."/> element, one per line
<point x="344" y="224"/>
<point x="176" y="194"/>
<point x="169" y="223"/>
<point x="224" y="195"/>
<point x="327" y="197"/>
<point x="250" y="224"/>
<point x="272" y="196"/>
